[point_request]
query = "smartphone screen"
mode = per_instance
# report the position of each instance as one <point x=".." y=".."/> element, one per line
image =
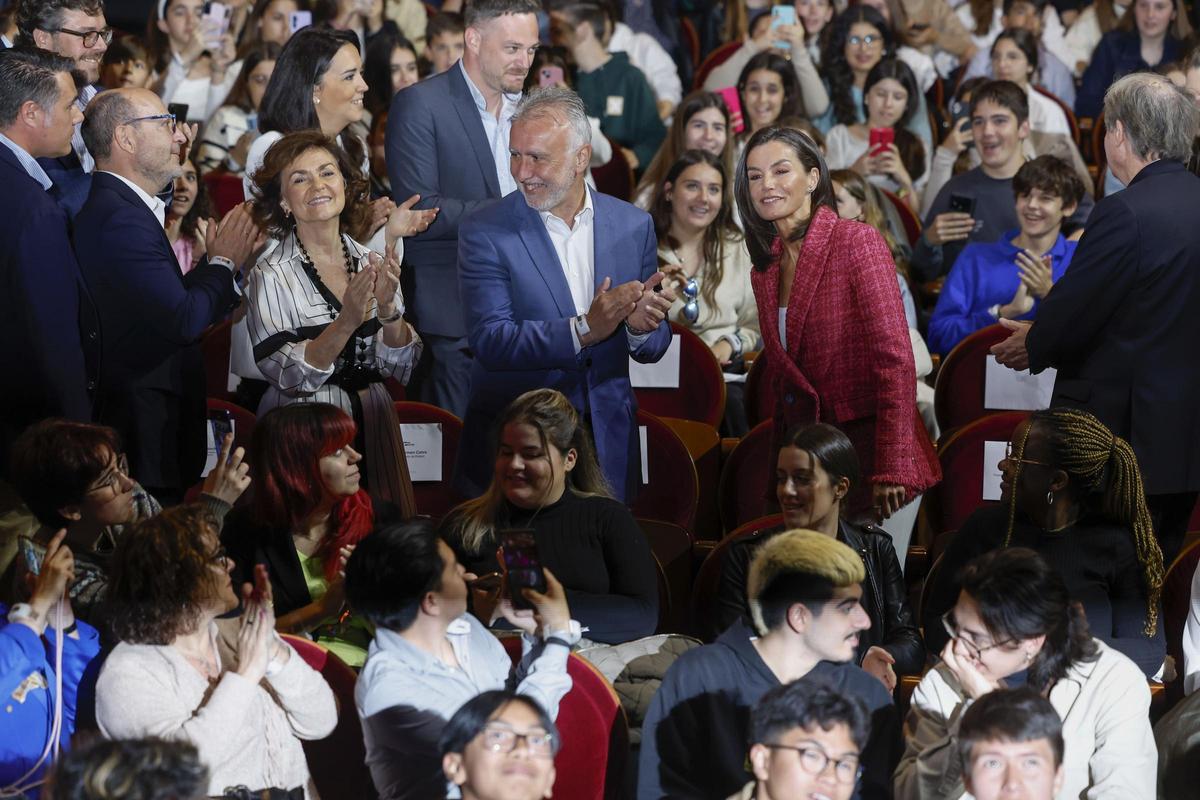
<point x="734" y="103"/>
<point x="783" y="15"/>
<point x="215" y="23"/>
<point x="299" y="19"/>
<point x="550" y="76"/>
<point x="522" y="564"/>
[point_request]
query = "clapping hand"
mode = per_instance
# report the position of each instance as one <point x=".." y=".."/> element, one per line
<point x="230" y="477"/>
<point x="387" y="281"/>
<point x="404" y="221"/>
<point x="609" y="307"/>
<point x="1020" y="305"/>
<point x="1036" y="274"/>
<point x="257" y="643"/>
<point x="358" y="295"/>
<point x="1012" y="352"/>
<point x="236" y="237"/>
<point x="652" y="307"/>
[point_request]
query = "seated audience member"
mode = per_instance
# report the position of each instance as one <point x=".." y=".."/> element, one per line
<point x="245" y="710"/>
<point x="131" y="769"/>
<point x="768" y="92"/>
<point x="1047" y="70"/>
<point x="553" y="56"/>
<point x="306" y="514"/>
<point x="703" y="254"/>
<point x="1085" y="33"/>
<point x="999" y="125"/>
<point x="74" y="477"/>
<point x="429" y="656"/>
<point x="125" y="65"/>
<point x="1153" y="34"/>
<point x="389" y="65"/>
<point x="30" y="642"/>
<point x="546" y="478"/>
<point x="614" y="91"/>
<point x="190" y="67"/>
<point x="651" y="58"/>
<point x="809" y="724"/>
<point x="225" y="142"/>
<point x="897" y="17"/>
<point x="500" y="744"/>
<point x="1015" y="625"/>
<point x="187" y="217"/>
<point x="815" y="469"/>
<point x="805" y="594"/>
<point x="1006" y="279"/>
<point x="445" y="40"/>
<point x="270" y="21"/>
<point x="1010" y="743"/>
<point x="701" y="122"/>
<point x="1072" y="492"/>
<point x="889" y="102"/>
<point x="1015" y="57"/>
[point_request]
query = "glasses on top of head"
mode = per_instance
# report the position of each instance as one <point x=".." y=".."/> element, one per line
<point x="112" y="480"/>
<point x="870" y="40"/>
<point x="814" y="762"/>
<point x="90" y="37"/>
<point x="1010" y="456"/>
<point x="499" y="739"/>
<point x="973" y="650"/>
<point x="172" y="122"/>
<point x="691" y="305"/>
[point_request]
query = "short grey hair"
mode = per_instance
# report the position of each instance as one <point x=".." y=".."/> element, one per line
<point x="107" y="111"/>
<point x="479" y="12"/>
<point x="1160" y="119"/>
<point x="540" y="103"/>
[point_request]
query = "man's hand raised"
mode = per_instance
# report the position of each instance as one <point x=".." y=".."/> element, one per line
<point x="611" y="306"/>
<point x="652" y="307"/>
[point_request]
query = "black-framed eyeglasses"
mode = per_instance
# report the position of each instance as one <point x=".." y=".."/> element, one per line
<point x="973" y="650"/>
<point x="113" y="479"/>
<point x="869" y="40"/>
<point x="172" y="124"/>
<point x="845" y="770"/>
<point x="499" y="739"/>
<point x="691" y="303"/>
<point x="90" y="37"/>
<point x="1010" y="456"/>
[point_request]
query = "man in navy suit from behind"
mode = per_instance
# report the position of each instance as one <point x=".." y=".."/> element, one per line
<point x="152" y="376"/>
<point x="48" y="324"/>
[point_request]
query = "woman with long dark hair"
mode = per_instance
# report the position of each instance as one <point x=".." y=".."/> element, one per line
<point x="837" y="343"/>
<point x="186" y="221"/>
<point x="389" y="66"/>
<point x="1014" y="624"/>
<point x="231" y="130"/>
<point x="700" y="122"/>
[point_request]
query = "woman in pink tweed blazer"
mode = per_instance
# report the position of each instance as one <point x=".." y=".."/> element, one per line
<point x="832" y="323"/>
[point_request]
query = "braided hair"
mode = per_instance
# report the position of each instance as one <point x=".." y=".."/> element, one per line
<point x="1099" y="462"/>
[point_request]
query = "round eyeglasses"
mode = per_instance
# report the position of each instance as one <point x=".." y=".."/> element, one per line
<point x="845" y="770"/>
<point x="112" y="480"/>
<point x="504" y="740"/>
<point x="870" y="40"/>
<point x="973" y="650"/>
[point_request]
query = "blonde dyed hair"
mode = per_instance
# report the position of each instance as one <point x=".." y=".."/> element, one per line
<point x="800" y="552"/>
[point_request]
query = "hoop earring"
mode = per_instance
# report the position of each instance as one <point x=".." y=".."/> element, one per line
<point x="1050" y="498"/>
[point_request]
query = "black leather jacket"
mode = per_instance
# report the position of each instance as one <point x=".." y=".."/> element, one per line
<point x="885" y="596"/>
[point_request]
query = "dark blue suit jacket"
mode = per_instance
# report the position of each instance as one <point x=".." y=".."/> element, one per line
<point x="519" y="314"/>
<point x="1122" y="327"/>
<point x="436" y="148"/>
<point x="48" y="323"/>
<point x="153" y="377"/>
<point x="71" y="183"/>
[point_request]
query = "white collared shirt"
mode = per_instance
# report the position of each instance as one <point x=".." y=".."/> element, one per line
<point x="158" y="207"/>
<point x="81" y="152"/>
<point x="496" y="131"/>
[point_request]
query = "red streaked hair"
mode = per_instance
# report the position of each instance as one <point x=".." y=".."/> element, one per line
<point x="288" y="445"/>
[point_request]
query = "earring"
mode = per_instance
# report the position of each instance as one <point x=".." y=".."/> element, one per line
<point x="316" y="101"/>
<point x="1028" y="658"/>
<point x="1050" y="498"/>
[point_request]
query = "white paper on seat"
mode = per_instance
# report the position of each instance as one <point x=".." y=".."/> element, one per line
<point x="645" y="453"/>
<point x="423" y="449"/>
<point x="993" y="453"/>
<point x="664" y="374"/>
<point x="215" y="431"/>
<point x="1007" y="389"/>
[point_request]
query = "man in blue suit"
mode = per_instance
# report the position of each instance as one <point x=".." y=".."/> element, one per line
<point x="447" y="140"/>
<point x="559" y="289"/>
<point x="152" y="316"/>
<point x="48" y="324"/>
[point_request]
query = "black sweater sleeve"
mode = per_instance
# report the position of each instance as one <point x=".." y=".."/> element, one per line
<point x="901" y="637"/>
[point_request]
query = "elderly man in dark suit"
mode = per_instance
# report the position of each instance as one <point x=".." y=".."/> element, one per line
<point x="152" y="316"/>
<point x="48" y="324"/>
<point x="1121" y="325"/>
<point x="447" y="140"/>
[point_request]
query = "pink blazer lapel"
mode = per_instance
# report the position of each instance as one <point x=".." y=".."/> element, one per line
<point x="814" y="255"/>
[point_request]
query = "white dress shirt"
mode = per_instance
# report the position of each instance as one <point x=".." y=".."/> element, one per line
<point x="496" y="131"/>
<point x="156" y="206"/>
<point x="81" y="152"/>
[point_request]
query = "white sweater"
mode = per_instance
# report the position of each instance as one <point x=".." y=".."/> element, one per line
<point x="247" y="734"/>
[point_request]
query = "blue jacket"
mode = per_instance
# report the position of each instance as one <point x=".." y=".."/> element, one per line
<point x="27" y="692"/>
<point x="519" y="312"/>
<point x="71" y="183"/>
<point x="983" y="276"/>
<point x="1118" y="54"/>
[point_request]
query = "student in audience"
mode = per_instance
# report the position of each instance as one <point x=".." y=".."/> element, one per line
<point x="131" y="769"/>
<point x="703" y="254"/>
<point x="187" y="217"/>
<point x="890" y="101"/>
<point x="917" y="60"/>
<point x="365" y="18"/>
<point x="73" y="476"/>
<point x="1093" y="22"/>
<point x="1153" y="34"/>
<point x="444" y="41"/>
<point x="805" y="594"/>
<point x="809" y="725"/>
<point x="1015" y="58"/>
<point x="814" y="15"/>
<point x="271" y="21"/>
<point x="430" y="657"/>
<point x="389" y="66"/>
<point x="125" y="65"/>
<point x="1073" y="492"/>
<point x="824" y="320"/>
<point x="245" y="708"/>
<point x="306" y="514"/>
<point x="815" y="470"/>
<point x="1000" y="124"/>
<point x="767" y="90"/>
<point x="190" y="67"/>
<point x="546" y="478"/>
<point x="325" y="315"/>
<point x="701" y="122"/>
<point x="1006" y="279"/>
<point x="38" y="708"/>
<point x="1043" y="67"/>
<point x="632" y="119"/>
<point x="1015" y="624"/>
<point x="225" y="143"/>
<point x="1010" y="743"/>
<point x="500" y="744"/>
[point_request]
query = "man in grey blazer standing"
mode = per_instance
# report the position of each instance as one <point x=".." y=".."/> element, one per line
<point x="447" y="140"/>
